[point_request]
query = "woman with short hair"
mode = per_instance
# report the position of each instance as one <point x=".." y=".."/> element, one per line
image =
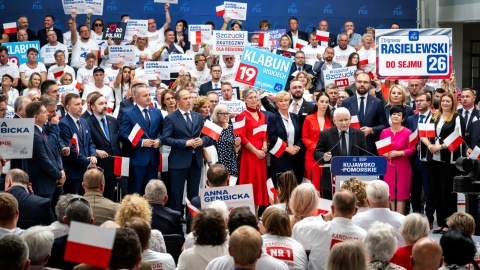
<point x="381" y="244"/>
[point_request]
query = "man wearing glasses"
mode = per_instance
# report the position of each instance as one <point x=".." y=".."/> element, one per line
<point x="299" y="65"/>
<point x="47" y="52"/>
<point x="83" y="46"/>
<point x="48" y="22"/>
<point x="414" y="87"/>
<point x="215" y="83"/>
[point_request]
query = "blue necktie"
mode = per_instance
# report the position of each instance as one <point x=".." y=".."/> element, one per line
<point x="422" y="117"/>
<point x="361" y="113"/>
<point x="147" y="118"/>
<point x="80" y="131"/>
<point x="105" y="128"/>
<point x="189" y="121"/>
<point x="466" y="117"/>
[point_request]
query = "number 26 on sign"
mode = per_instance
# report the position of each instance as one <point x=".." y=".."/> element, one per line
<point x="246" y="74"/>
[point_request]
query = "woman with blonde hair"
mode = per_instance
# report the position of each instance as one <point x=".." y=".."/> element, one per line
<point x="347" y="255"/>
<point x="285" y="44"/>
<point x="303" y="203"/>
<point x="398" y="97"/>
<point x="306" y="80"/>
<point x="182" y="79"/>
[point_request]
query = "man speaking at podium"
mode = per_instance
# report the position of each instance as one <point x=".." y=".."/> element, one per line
<point x="339" y="140"/>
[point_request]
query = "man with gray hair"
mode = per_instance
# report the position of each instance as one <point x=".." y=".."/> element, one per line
<point x="13" y="253"/>
<point x="19" y="106"/>
<point x="378" y="200"/>
<point x="40" y="242"/>
<point x="164" y="219"/>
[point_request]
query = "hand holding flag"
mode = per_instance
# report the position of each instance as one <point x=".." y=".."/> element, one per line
<point x="272" y="193"/>
<point x="192" y="209"/>
<point x="135" y="135"/>
<point x="384" y="146"/>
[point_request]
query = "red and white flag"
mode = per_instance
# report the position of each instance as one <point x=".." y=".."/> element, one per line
<point x="59" y="114"/>
<point x="475" y="154"/>
<point x="426" y="130"/>
<point x="264" y="40"/>
<point x="198" y="37"/>
<point x="413" y="138"/>
<point x="453" y="140"/>
<point x="121" y="166"/>
<point x="74" y="141"/>
<point x="163" y="164"/>
<point x="324" y="206"/>
<point x="89" y="244"/>
<point x="239" y="127"/>
<point x="384" y="146"/>
<point x="220" y="10"/>
<point x="272" y="193"/>
<point x="262" y="128"/>
<point x="58" y="72"/>
<point x="110" y="107"/>
<point x="363" y="58"/>
<point x="78" y="85"/>
<point x="9" y="28"/>
<point x="192" y="209"/>
<point x="135" y="135"/>
<point x="300" y="44"/>
<point x="354" y="121"/>
<point x="212" y="130"/>
<point x="278" y="148"/>
<point x="323" y="36"/>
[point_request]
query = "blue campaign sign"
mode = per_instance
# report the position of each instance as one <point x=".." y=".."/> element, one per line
<point x="17" y="51"/>
<point x="263" y="69"/>
<point x="363" y="165"/>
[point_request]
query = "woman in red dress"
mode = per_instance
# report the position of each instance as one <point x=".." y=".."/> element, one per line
<point x="253" y="167"/>
<point x="313" y="125"/>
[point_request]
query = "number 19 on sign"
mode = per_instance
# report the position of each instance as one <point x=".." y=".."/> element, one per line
<point x="246" y="74"/>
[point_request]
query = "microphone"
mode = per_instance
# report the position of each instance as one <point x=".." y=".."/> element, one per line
<point x="363" y="149"/>
<point x="316" y="162"/>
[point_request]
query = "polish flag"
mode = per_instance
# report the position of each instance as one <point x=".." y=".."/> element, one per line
<point x="89" y="244"/>
<point x="212" y="130"/>
<point x="59" y="114"/>
<point x="426" y="130"/>
<point x="192" y="209"/>
<point x="198" y="37"/>
<point x="121" y="165"/>
<point x="110" y="107"/>
<point x="300" y="44"/>
<point x="262" y="128"/>
<point x="9" y="28"/>
<point x="278" y="148"/>
<point x="135" y="135"/>
<point x="475" y="154"/>
<point x="264" y="40"/>
<point x="57" y="72"/>
<point x="239" y="127"/>
<point x="78" y="86"/>
<point x="354" y="122"/>
<point x="453" y="140"/>
<point x="74" y="141"/>
<point x="323" y="36"/>
<point x="363" y="59"/>
<point x="163" y="164"/>
<point x="272" y="193"/>
<point x="413" y="138"/>
<point x="324" y="206"/>
<point x="220" y="10"/>
<point x="384" y="146"/>
<point x="232" y="180"/>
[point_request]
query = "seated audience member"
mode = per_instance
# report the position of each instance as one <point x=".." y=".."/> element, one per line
<point x="136" y="206"/>
<point x="209" y="229"/>
<point x="414" y="227"/>
<point x="241" y="216"/>
<point x="8" y="214"/>
<point x="40" y="242"/>
<point x="126" y="251"/>
<point x="59" y="228"/>
<point x="461" y="221"/>
<point x="164" y="219"/>
<point x="359" y="188"/>
<point x="155" y="259"/>
<point x="347" y="255"/>
<point x="13" y="253"/>
<point x="303" y="203"/>
<point x="458" y="250"/>
<point x="34" y="210"/>
<point x="245" y="247"/>
<point x="381" y="243"/>
<point x="94" y="185"/>
<point x="378" y="200"/>
<point x="286" y="183"/>
<point x="426" y="255"/>
<point x="276" y="235"/>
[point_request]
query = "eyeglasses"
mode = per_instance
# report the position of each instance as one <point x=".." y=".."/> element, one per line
<point x="228" y="58"/>
<point x="414" y="85"/>
<point x="96" y="167"/>
<point x="78" y="199"/>
<point x="224" y="114"/>
<point x="419" y="100"/>
<point x="97" y="24"/>
<point x="216" y="71"/>
<point x="84" y="31"/>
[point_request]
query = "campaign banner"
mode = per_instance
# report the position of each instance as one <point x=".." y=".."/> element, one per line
<point x="136" y="27"/>
<point x="114" y="30"/>
<point x="235" y="11"/>
<point x="199" y="33"/>
<point x="17" y="51"/>
<point x="166" y="1"/>
<point x="422" y="53"/>
<point x="255" y="45"/>
<point x="229" y="42"/>
<point x="286" y="54"/>
<point x="154" y="69"/>
<point x="16" y="138"/>
<point x="94" y="6"/>
<point x="353" y="166"/>
<point x="235" y="107"/>
<point x="342" y="77"/>
<point x="232" y="196"/>
<point x="122" y="53"/>
<point x="69" y="88"/>
<point x="77" y="6"/>
<point x="184" y="62"/>
<point x="263" y="69"/>
<point x="275" y="36"/>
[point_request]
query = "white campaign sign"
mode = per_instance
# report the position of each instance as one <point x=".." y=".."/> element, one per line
<point x="154" y="69"/>
<point x="181" y="62"/>
<point x="198" y="34"/>
<point x="342" y="77"/>
<point x="94" y="6"/>
<point x="77" y="6"/>
<point x="229" y="42"/>
<point x="16" y="138"/>
<point x="122" y="53"/>
<point x="236" y="11"/>
<point x="232" y="196"/>
<point x="136" y="27"/>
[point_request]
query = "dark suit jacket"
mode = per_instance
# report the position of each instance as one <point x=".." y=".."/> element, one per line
<point x="301" y="35"/>
<point x="34" y="210"/>
<point x="474" y="135"/>
<point x="307" y="68"/>
<point x="319" y="68"/>
<point x="166" y="220"/>
<point x="470" y="121"/>
<point x="42" y="36"/>
<point x="374" y="118"/>
<point x="332" y="40"/>
<point x="124" y="104"/>
<point x="75" y="165"/>
<point x="330" y="138"/>
<point x="142" y="156"/>
<point x="412" y="124"/>
<point x="31" y="36"/>
<point x="446" y="130"/>
<point x="86" y="115"/>
<point x="207" y="87"/>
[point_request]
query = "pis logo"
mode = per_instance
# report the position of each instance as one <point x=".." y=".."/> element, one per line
<point x="2" y="5"/>
<point x="413" y="36"/>
<point x="398" y="11"/>
<point x="309" y="28"/>
<point x="257" y="8"/>
<point x="292" y="8"/>
<point x="363" y="10"/>
<point x="148" y="6"/>
<point x="274" y="25"/>
<point x="112" y="5"/>
<point x="185" y="7"/>
<point x="328" y="9"/>
<point x="37" y="4"/>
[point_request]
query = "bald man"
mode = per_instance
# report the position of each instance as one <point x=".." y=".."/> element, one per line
<point x="426" y="255"/>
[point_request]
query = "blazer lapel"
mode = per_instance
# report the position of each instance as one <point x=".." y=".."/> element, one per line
<point x="141" y="119"/>
<point x="74" y="126"/>
<point x="368" y="106"/>
<point x="336" y="139"/>
<point x="98" y="127"/>
<point x="282" y="130"/>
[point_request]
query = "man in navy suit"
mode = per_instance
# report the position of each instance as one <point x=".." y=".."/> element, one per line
<point x="144" y="157"/>
<point x="182" y="131"/>
<point x="294" y="33"/>
<point x="298" y="65"/>
<point x="76" y="163"/>
<point x="370" y="111"/>
<point x="215" y="83"/>
<point x="45" y="166"/>
<point x="34" y="210"/>
<point x="104" y="132"/>
<point x="468" y="110"/>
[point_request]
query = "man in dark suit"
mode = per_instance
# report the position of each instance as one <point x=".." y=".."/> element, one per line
<point x="45" y="167"/>
<point x="48" y="22"/>
<point x="370" y="111"/>
<point x="327" y="64"/>
<point x="22" y="24"/>
<point x="34" y="210"/>
<point x="332" y="39"/>
<point x="76" y="163"/>
<point x="294" y="33"/>
<point x="468" y="110"/>
<point x="104" y="132"/>
<point x="298" y="65"/>
<point x="19" y="106"/>
<point x="144" y="157"/>
<point x="299" y="105"/>
<point x="164" y="219"/>
<point x="215" y="83"/>
<point x="182" y="131"/>
<point x="340" y="140"/>
<point x="414" y="87"/>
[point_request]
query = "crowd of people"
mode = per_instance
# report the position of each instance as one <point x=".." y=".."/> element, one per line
<point x="89" y="111"/>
